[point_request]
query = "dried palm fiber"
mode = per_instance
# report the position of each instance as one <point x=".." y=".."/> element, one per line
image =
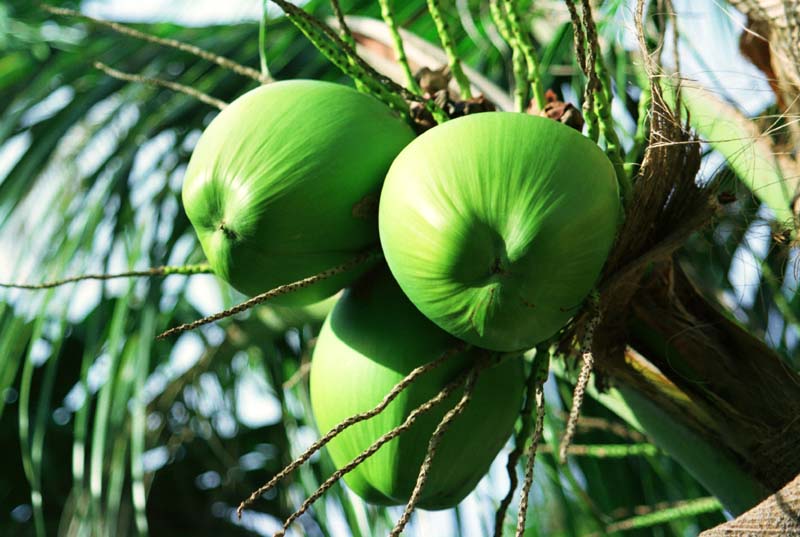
<point x="771" y="42"/>
<point x="782" y="20"/>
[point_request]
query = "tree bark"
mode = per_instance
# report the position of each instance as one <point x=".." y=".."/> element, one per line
<point x="779" y="514"/>
<point x="708" y="374"/>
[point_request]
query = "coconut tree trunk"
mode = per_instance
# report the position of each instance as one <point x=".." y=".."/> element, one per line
<point x="779" y="514"/>
<point x="711" y="376"/>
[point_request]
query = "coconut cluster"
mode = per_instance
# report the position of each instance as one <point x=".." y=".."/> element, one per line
<point x="494" y="227"/>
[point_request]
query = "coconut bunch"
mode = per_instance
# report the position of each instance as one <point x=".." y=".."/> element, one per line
<point x="494" y="228"/>
<point x="458" y="250"/>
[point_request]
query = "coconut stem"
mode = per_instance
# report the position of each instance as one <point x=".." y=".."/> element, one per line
<point x="345" y="58"/>
<point x="222" y="61"/>
<point x="344" y="30"/>
<point x="580" y="388"/>
<point x="534" y="378"/>
<point x="157" y="271"/>
<point x="586" y="65"/>
<point x="272" y="293"/>
<point x="160" y="83"/>
<point x="598" y="95"/>
<point x="601" y="84"/>
<point x="352" y="420"/>
<point x="614" y="149"/>
<point x="500" y="18"/>
<point x="537" y="436"/>
<point x="433" y="445"/>
<point x="446" y="38"/>
<point x="399" y="50"/>
<point x="347" y="36"/>
<point x="522" y="42"/>
<point x="367" y="453"/>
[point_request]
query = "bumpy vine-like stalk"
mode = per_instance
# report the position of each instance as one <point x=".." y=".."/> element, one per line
<point x="517" y="61"/>
<point x="349" y="422"/>
<point x="371" y="450"/>
<point x="534" y="378"/>
<point x="601" y="85"/>
<point x="344" y="57"/>
<point x="541" y="365"/>
<point x="222" y="61"/>
<point x="522" y="41"/>
<point x="433" y="445"/>
<point x="161" y="83"/>
<point x="344" y="30"/>
<point x="185" y="270"/>
<point x="614" y="149"/>
<point x="272" y="293"/>
<point x="580" y="388"/>
<point x="399" y="50"/>
<point x="585" y="63"/>
<point x="347" y="36"/>
<point x="446" y="39"/>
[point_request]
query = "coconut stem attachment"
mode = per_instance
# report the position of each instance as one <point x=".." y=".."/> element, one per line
<point x="538" y="371"/>
<point x="352" y="420"/>
<point x="285" y="289"/>
<point x="580" y="388"/>
<point x="446" y="38"/>
<point x="160" y="83"/>
<point x="222" y="61"/>
<point x="344" y="57"/>
<point x="367" y="453"/>
<point x="185" y="270"/>
<point x="399" y="50"/>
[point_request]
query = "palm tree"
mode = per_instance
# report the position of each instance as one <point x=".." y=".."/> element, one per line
<point x="692" y="415"/>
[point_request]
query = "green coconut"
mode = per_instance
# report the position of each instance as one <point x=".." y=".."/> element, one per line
<point x="372" y="339"/>
<point x="497" y="225"/>
<point x="283" y="184"/>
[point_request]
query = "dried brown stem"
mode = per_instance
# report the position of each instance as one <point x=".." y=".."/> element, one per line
<point x="157" y="271"/>
<point x="272" y="293"/>
<point x="352" y="420"/>
<point x="222" y="61"/>
<point x="367" y="453"/>
<point x="160" y="83"/>
<point x="528" y="483"/>
<point x="433" y="445"/>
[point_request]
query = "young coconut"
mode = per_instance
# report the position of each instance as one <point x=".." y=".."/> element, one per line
<point x="371" y="340"/>
<point x="283" y="184"/>
<point x="497" y="225"/>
